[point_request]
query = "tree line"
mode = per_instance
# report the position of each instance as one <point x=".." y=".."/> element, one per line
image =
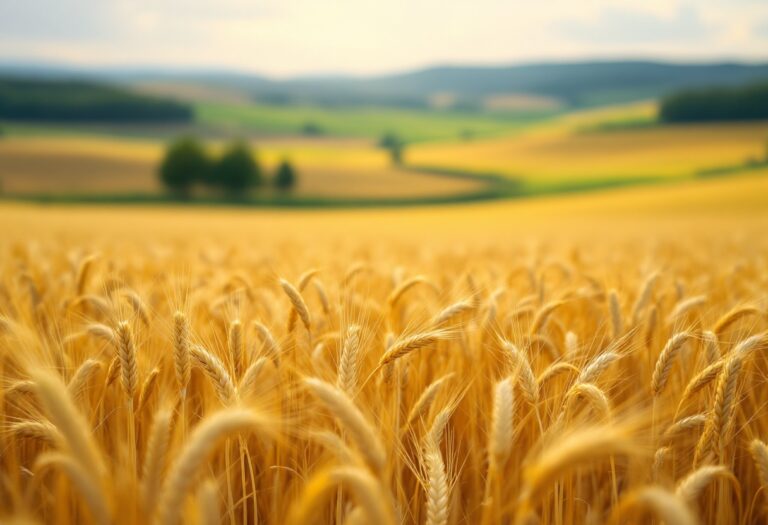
<point x="236" y="171"/>
<point x="748" y="102"/>
<point x="75" y="101"/>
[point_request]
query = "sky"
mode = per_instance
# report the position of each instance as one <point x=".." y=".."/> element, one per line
<point x="284" y="38"/>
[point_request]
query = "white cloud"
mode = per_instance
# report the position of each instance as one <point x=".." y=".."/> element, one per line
<point x="287" y="37"/>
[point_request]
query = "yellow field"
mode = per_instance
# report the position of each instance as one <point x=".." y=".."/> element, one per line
<point x="568" y="149"/>
<point x="575" y="148"/>
<point x="97" y="165"/>
<point x="570" y="360"/>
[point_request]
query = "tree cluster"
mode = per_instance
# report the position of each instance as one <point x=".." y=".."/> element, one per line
<point x="392" y="143"/>
<point x="748" y="102"/>
<point x="236" y="171"/>
<point x="77" y="101"/>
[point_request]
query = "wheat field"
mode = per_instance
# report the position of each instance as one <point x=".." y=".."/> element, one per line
<point x="479" y="364"/>
<point x="584" y="146"/>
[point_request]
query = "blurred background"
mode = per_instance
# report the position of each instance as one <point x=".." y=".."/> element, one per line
<point x="303" y="103"/>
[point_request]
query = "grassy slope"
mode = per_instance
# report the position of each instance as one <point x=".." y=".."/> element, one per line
<point x="412" y="125"/>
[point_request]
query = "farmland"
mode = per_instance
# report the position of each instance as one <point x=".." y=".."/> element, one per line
<point x="578" y="150"/>
<point x="493" y="362"/>
<point x="597" y="145"/>
<point x="413" y="125"/>
<point x="99" y="165"/>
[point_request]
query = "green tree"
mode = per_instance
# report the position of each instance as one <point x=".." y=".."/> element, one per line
<point x="184" y="164"/>
<point x="237" y="171"/>
<point x="394" y="145"/>
<point x="285" y="176"/>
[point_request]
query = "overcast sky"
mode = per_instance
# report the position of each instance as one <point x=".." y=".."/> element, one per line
<point x="295" y="37"/>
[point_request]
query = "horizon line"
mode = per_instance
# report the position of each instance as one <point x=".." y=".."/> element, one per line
<point x="64" y="66"/>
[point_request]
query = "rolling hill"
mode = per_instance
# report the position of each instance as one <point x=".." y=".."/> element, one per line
<point x="572" y="84"/>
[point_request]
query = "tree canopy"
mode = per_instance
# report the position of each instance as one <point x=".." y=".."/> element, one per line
<point x="236" y="170"/>
<point x="185" y="163"/>
<point x="285" y="177"/>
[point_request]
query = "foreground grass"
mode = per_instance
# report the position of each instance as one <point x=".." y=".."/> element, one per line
<point x="477" y="364"/>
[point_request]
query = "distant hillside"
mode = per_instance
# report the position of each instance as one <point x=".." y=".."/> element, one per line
<point x="574" y="84"/>
<point x="78" y="101"/>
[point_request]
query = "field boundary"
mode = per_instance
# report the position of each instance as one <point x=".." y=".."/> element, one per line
<point x="498" y="188"/>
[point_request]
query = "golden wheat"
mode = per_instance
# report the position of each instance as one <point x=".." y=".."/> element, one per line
<point x="557" y="382"/>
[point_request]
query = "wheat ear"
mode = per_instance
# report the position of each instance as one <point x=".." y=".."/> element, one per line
<point x="79" y="475"/>
<point x="271" y="348"/>
<point x="248" y="381"/>
<point x="664" y="362"/>
<point x="685" y="306"/>
<point x="352" y="420"/>
<point x="83" y="272"/>
<point x="297" y="302"/>
<point x="235" y="346"/>
<point x="148" y="388"/>
<point x="451" y="312"/>
<point x="711" y="346"/>
<point x="62" y="412"/>
<point x="615" y="307"/>
<point x="554" y="370"/>
<point x="646" y="290"/>
<point x="39" y="430"/>
<point x="216" y="372"/>
<point x="126" y="353"/>
<point x="543" y="315"/>
<point x="500" y="436"/>
<point x="421" y="406"/>
<point x="596" y="366"/>
<point x="349" y="361"/>
<point x="438" y="497"/>
<point x="521" y="369"/>
<point x="731" y="317"/>
<point x="685" y="424"/>
<point x="572" y="451"/>
<point x="691" y="486"/>
<point x="667" y="506"/>
<point x="138" y="306"/>
<point x="83" y="376"/>
<point x="181" y="351"/>
<point x="404" y="346"/>
<point x="198" y="447"/>
<point x="102" y="331"/>
<point x="759" y="451"/>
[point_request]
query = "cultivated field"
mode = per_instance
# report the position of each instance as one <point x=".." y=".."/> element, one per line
<point x="603" y="144"/>
<point x="586" y="360"/>
<point x="412" y="125"/>
<point x="98" y="165"/>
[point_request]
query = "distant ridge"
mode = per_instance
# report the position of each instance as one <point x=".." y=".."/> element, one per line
<point x="574" y="84"/>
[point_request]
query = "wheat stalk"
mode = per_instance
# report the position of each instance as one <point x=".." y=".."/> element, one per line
<point x="201" y="443"/>
<point x="351" y="419"/>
